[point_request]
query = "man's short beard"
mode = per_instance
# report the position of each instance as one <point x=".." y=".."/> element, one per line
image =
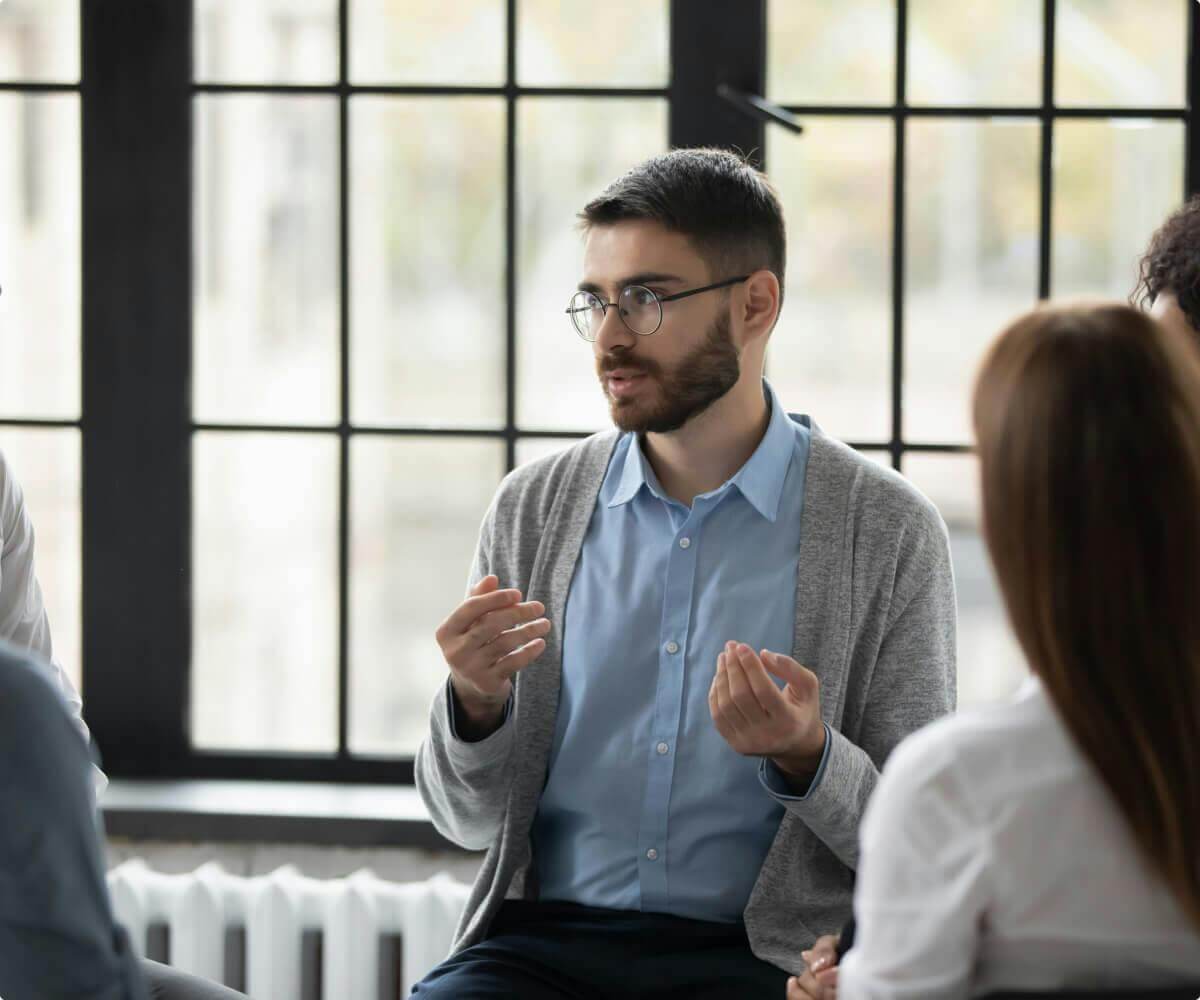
<point x="695" y="383"/>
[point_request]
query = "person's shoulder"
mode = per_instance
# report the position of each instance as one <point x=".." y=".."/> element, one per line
<point x="977" y="748"/>
<point x="883" y="509"/>
<point x="588" y="454"/>
<point x="532" y="487"/>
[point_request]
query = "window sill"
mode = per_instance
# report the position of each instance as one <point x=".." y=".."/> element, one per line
<point x="270" y="812"/>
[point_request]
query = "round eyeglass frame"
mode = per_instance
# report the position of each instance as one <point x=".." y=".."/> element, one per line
<point x="578" y="312"/>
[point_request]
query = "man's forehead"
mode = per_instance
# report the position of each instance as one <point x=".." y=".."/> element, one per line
<point x="613" y="252"/>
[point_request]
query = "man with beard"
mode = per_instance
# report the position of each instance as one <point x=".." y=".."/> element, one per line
<point x="688" y="646"/>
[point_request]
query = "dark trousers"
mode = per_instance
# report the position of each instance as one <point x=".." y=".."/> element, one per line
<point x="563" y="951"/>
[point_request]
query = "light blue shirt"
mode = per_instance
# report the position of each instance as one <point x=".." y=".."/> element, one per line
<point x="646" y="806"/>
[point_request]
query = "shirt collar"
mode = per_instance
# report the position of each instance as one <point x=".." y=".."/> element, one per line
<point x="760" y="480"/>
<point x="633" y="473"/>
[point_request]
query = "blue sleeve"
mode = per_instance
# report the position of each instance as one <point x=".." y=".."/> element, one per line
<point x="776" y="784"/>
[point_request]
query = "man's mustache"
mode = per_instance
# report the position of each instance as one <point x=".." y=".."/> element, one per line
<point x="611" y="363"/>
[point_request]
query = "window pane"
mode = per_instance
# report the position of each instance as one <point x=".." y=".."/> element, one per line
<point x="990" y="663"/>
<point x="266" y="260"/>
<point x="831" y="51"/>
<point x="1113" y="53"/>
<point x="975" y="52"/>
<point x="972" y="206"/>
<point x="45" y="463"/>
<point x="417" y="507"/>
<point x="620" y="43"/>
<point x="570" y="150"/>
<point x="427" y="263"/>
<point x="531" y="449"/>
<point x="39" y="41"/>
<point x="39" y="256"/>
<point x="883" y="458"/>
<point x="265" y="591"/>
<point x="830" y="355"/>
<point x="266" y="41"/>
<point x="1114" y="183"/>
<point x="457" y="42"/>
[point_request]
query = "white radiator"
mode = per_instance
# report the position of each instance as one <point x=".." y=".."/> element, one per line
<point x="354" y="938"/>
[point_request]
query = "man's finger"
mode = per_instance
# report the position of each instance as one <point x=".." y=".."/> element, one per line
<point x="519" y="659"/>
<point x="464" y="616"/>
<point x="760" y="682"/>
<point x="484" y="586"/>
<point x="725" y="703"/>
<point x="513" y="640"/>
<point x="740" y="688"/>
<point x="494" y="624"/>
<point x="800" y="678"/>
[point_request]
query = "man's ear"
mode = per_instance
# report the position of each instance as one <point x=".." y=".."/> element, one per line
<point x="760" y="304"/>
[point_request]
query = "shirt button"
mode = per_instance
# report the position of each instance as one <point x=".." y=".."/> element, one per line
<point x="672" y="646"/>
<point x="652" y="854"/>
<point x="662" y="748"/>
<point x="684" y="543"/>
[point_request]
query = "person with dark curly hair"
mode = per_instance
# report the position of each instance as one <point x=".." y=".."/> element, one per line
<point x="1169" y="274"/>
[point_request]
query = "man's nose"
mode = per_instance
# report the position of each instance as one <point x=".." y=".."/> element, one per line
<point x="613" y="332"/>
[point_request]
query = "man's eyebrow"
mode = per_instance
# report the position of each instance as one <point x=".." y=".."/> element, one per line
<point x="646" y="278"/>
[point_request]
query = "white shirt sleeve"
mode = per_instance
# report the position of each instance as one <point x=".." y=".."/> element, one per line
<point x="923" y="883"/>
<point x="23" y="619"/>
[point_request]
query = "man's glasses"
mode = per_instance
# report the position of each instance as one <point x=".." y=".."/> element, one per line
<point x="639" y="307"/>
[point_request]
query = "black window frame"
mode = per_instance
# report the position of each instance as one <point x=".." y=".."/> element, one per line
<point x="137" y="427"/>
<point x="137" y="94"/>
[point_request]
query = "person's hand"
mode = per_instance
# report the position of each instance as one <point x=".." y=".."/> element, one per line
<point x="485" y="641"/>
<point x="819" y="981"/>
<point x="758" y="719"/>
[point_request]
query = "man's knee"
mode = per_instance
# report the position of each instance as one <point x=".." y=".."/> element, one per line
<point x="484" y="972"/>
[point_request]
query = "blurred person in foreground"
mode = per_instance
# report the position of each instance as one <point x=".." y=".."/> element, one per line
<point x="1054" y="841"/>
<point x="58" y="935"/>
<point x="1169" y="271"/>
<point x="688" y="645"/>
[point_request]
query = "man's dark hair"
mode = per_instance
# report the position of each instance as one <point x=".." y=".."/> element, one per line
<point x="1172" y="263"/>
<point x="727" y="209"/>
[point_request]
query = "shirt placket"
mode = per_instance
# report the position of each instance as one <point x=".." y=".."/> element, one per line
<point x="654" y="846"/>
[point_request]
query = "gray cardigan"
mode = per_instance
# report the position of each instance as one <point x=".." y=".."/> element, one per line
<point x="875" y="620"/>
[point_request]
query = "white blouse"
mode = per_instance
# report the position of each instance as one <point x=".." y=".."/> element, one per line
<point x="993" y="858"/>
<point x="23" y="619"/>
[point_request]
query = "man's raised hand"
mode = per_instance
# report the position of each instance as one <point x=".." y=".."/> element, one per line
<point x="487" y="639"/>
<point x="757" y="719"/>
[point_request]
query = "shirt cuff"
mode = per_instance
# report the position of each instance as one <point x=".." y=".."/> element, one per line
<point x="503" y="719"/>
<point x="776" y="785"/>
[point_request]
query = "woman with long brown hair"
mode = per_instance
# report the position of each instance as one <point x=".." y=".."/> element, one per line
<point x="1054" y="841"/>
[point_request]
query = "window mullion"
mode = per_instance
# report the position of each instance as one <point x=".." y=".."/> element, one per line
<point x="136" y="295"/>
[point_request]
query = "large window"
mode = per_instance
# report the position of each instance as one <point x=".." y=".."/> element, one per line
<point x="364" y="362"/>
<point x="960" y="161"/>
<point x="326" y="245"/>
